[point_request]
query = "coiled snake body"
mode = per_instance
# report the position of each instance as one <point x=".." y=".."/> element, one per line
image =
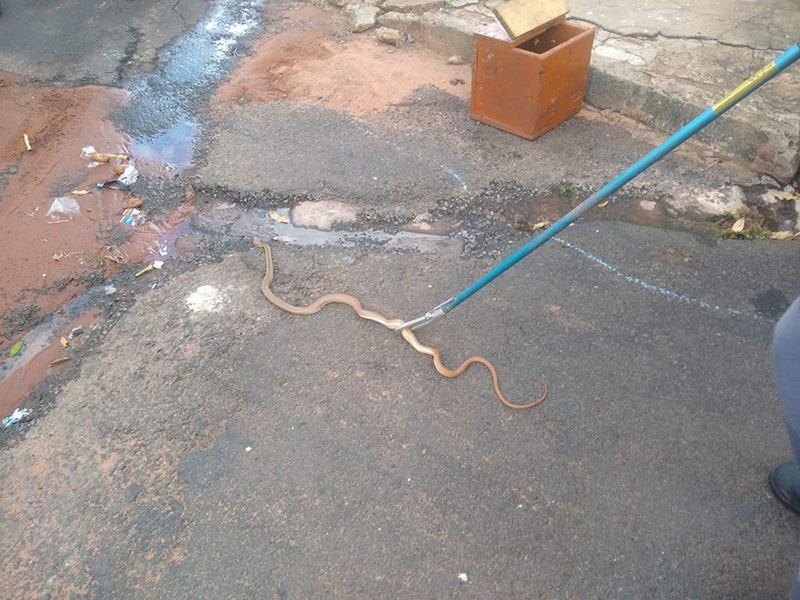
<point x="407" y="334"/>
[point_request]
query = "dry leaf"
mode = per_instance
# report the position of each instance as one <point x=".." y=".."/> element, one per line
<point x="787" y="196"/>
<point x="738" y="227"/>
<point x="79" y="192"/>
<point x="540" y="225"/>
<point x="59" y="360"/>
<point x="27" y="141"/>
<point x="603" y="204"/>
<point x="278" y="218"/>
<point x="284" y="238"/>
<point x="782" y="235"/>
<point x="103" y="157"/>
<point x="64" y="341"/>
<point x="132" y="203"/>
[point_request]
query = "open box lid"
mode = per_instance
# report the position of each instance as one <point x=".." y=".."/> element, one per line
<point x="525" y="19"/>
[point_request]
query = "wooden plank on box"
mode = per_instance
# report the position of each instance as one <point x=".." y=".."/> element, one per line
<point x="521" y="17"/>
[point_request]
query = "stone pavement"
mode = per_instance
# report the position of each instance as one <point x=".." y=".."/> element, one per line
<point x="660" y="63"/>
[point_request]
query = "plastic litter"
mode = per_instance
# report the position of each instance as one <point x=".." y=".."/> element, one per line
<point x="129" y="175"/>
<point x="15" y="349"/>
<point x="19" y="415"/>
<point x="75" y="333"/>
<point x="110" y="290"/>
<point x="65" y="206"/>
<point x="127" y="178"/>
<point x="462" y="577"/>
<point x="27" y="141"/>
<point x="132" y="217"/>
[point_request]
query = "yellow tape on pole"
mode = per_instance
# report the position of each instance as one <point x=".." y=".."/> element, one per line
<point x="745" y="88"/>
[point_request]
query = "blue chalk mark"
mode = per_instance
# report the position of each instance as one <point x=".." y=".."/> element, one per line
<point x="657" y="288"/>
<point x="455" y="175"/>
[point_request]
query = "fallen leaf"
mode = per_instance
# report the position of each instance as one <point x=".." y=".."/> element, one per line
<point x="16" y="348"/>
<point x="278" y="218"/>
<point x="787" y="196"/>
<point x="79" y="192"/>
<point x="64" y="341"/>
<point x="540" y="225"/>
<point x="782" y="235"/>
<point x="27" y="141"/>
<point x="59" y="360"/>
<point x="738" y="227"/>
<point x="132" y="203"/>
<point x="603" y="204"/>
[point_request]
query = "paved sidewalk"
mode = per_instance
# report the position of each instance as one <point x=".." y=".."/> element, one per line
<point x="662" y="63"/>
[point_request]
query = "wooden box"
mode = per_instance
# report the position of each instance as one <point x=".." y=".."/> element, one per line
<point x="529" y="85"/>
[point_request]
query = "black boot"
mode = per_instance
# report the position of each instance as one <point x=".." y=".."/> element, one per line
<point x="785" y="483"/>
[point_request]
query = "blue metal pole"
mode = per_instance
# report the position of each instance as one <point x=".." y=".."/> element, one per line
<point x="745" y="89"/>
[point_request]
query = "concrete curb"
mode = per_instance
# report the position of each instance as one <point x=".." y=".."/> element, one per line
<point x="661" y="82"/>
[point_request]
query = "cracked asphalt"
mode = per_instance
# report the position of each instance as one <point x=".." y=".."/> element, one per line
<point x="205" y="444"/>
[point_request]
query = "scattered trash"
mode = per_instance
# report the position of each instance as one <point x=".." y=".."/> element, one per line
<point x="224" y="206"/>
<point x="278" y="218"/>
<point x="64" y="205"/>
<point x="247" y="449"/>
<point x="19" y="415"/>
<point x="783" y="235"/>
<point x="119" y="169"/>
<point x="59" y="360"/>
<point x="738" y="226"/>
<point x="92" y="165"/>
<point x="79" y="192"/>
<point x="455" y="60"/>
<point x="87" y="151"/>
<point x="110" y="290"/>
<point x="60" y="255"/>
<point x="64" y="341"/>
<point x="75" y="332"/>
<point x="16" y="348"/>
<point x="127" y="178"/>
<point x="132" y="217"/>
<point x="457" y="81"/>
<point x="156" y="264"/>
<point x="27" y="141"/>
<point x="132" y="203"/>
<point x="284" y="238"/>
<point x="462" y="577"/>
<point x="603" y="204"/>
<point x="129" y="175"/>
<point x="540" y="225"/>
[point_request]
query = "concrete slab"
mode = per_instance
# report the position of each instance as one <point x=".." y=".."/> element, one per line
<point x="662" y="64"/>
<point x="665" y="82"/>
<point x="766" y="24"/>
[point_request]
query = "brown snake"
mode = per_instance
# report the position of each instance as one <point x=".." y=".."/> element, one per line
<point x="407" y="334"/>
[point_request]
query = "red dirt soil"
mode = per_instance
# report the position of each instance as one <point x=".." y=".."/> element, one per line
<point x="305" y="62"/>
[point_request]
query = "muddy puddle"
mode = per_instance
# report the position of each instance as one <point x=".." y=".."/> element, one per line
<point x="61" y="233"/>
